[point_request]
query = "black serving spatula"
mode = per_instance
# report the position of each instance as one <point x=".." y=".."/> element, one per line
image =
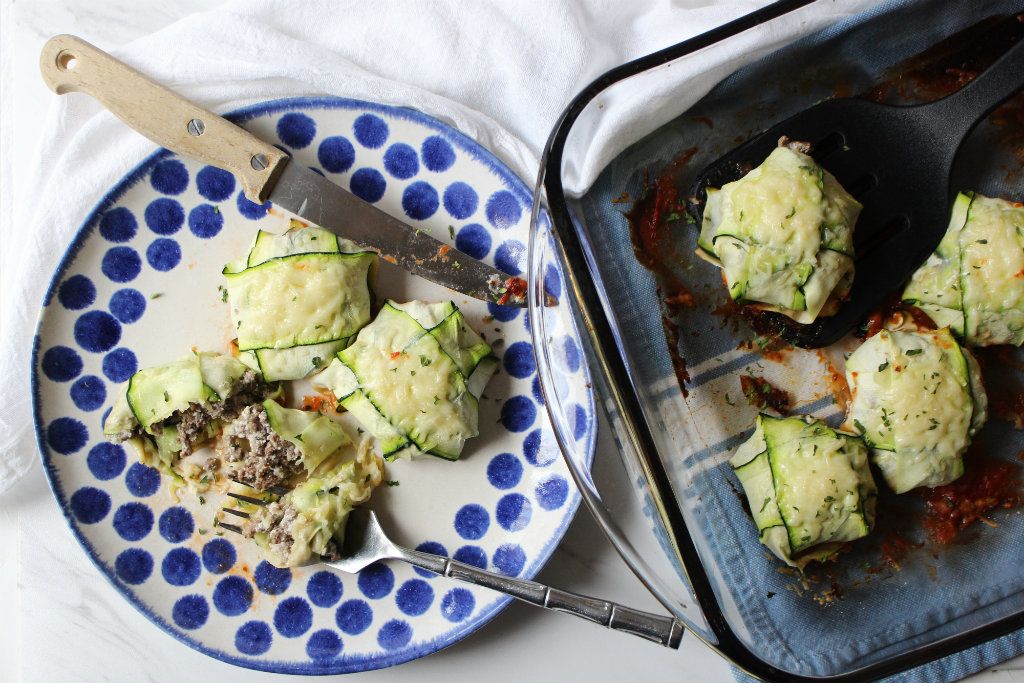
<point x="896" y="160"/>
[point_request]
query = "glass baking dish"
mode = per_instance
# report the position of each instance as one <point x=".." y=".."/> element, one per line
<point x="664" y="353"/>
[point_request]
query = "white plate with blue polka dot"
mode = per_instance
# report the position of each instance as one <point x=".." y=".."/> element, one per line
<point x="139" y="286"/>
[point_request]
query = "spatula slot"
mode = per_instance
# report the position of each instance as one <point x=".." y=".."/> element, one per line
<point x="889" y="230"/>
<point x="863" y="185"/>
<point x="828" y="145"/>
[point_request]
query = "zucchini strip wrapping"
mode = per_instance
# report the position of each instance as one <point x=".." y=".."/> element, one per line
<point x="783" y="236"/>
<point x="974" y="281"/>
<point x="413" y="378"/>
<point x="297" y="299"/>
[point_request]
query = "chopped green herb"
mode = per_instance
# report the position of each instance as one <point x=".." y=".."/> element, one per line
<point x="202" y="500"/>
<point x="451" y="231"/>
<point x="915" y="352"/>
<point x="424" y="361"/>
<point x="157" y="295"/>
<point x="672" y="217"/>
<point x="317" y="361"/>
<point x="167" y="397"/>
<point x="883" y="366"/>
<point x="391" y="482"/>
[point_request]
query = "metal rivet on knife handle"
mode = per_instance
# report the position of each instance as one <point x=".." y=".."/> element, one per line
<point x="70" y="64"/>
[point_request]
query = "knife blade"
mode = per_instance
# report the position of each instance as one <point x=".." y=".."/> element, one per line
<point x="70" y="64"/>
<point x="316" y="199"/>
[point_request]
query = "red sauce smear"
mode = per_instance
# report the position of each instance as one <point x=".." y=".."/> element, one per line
<point x="395" y="354"/>
<point x="515" y="290"/>
<point x="313" y="403"/>
<point x="895" y="312"/>
<point x="987" y="484"/>
<point x="895" y="549"/>
<point x="760" y="393"/>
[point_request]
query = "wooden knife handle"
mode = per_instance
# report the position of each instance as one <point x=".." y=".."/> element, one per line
<point x="70" y="64"/>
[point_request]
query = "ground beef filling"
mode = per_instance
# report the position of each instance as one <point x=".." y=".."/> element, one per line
<point x="194" y="424"/>
<point x="260" y="457"/>
<point x="276" y="521"/>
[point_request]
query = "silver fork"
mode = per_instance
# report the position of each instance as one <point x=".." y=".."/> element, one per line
<point x="366" y="543"/>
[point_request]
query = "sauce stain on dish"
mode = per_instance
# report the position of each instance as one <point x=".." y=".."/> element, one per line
<point x="986" y="485"/>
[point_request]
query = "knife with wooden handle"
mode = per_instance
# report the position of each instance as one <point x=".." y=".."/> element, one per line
<point x="70" y="64"/>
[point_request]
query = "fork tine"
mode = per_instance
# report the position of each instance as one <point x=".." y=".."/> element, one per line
<point x="231" y="527"/>
<point x="247" y="499"/>
<point x="236" y="513"/>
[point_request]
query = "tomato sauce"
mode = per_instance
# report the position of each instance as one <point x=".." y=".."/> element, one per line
<point x="986" y="485"/>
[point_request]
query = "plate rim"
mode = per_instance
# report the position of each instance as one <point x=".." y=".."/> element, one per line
<point x="88" y="226"/>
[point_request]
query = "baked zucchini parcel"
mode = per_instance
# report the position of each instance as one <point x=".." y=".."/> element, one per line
<point x="783" y="236"/>
<point x="413" y="378"/>
<point x="809" y="487"/>
<point x="974" y="281"/>
<point x="297" y="299"/>
<point x="168" y="411"/>
<point x="917" y="399"/>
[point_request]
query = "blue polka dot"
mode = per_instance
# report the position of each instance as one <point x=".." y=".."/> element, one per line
<point x="324" y="589"/>
<point x="518" y="413"/>
<point x="571" y="354"/>
<point x="368" y="184"/>
<point x="77" y="292"/>
<point x="251" y="210"/>
<point x="163" y="254"/>
<point x="503" y="210"/>
<point x="253" y="638"/>
<point x="133" y="521"/>
<point x="106" y="460"/>
<point x="509" y="256"/>
<point x="66" y="435"/>
<point x="502" y="314"/>
<point x="215" y="184"/>
<point x="376" y="581"/>
<point x="579" y="422"/>
<point x="471" y="521"/>
<point x="142" y="480"/>
<point x="180" y="567"/>
<point x="205" y="221"/>
<point x="434" y="548"/>
<point x="336" y="154"/>
<point x="460" y="200"/>
<point x="293" y="617"/>
<point x="414" y="597"/>
<point x="552" y="282"/>
<point x="518" y="359"/>
<point x="370" y="131"/>
<point x="272" y="580"/>
<point x="538" y="396"/>
<point x="509" y="559"/>
<point x="514" y="512"/>
<point x="61" y="364"/>
<point x="323" y="645"/>
<point x="471" y="555"/>
<point x="504" y="471"/>
<point x="457" y="604"/>
<point x="133" y="566"/>
<point x="169" y="177"/>
<point x="127" y="305"/>
<point x="164" y="216"/>
<point x="97" y="331"/>
<point x="532" y="451"/>
<point x="176" y="524"/>
<point x="89" y="504"/>
<point x="232" y="596"/>
<point x="401" y="161"/>
<point x="353" y="617"/>
<point x="121" y="264"/>
<point x="419" y="200"/>
<point x="552" y="492"/>
<point x="394" y="634"/>
<point x="89" y="393"/>
<point x="526" y="320"/>
<point x="474" y="240"/>
<point x="218" y="555"/>
<point x="118" y="225"/>
<point x="190" y="612"/>
<point x="119" y="365"/>
<point x="438" y="154"/>
<point x="296" y="130"/>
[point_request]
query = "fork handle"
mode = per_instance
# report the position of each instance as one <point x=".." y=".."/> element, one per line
<point x="664" y="630"/>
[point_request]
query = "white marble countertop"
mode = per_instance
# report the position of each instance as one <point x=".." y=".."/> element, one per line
<point x="64" y="622"/>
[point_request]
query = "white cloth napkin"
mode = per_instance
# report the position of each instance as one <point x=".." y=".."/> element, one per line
<point x="501" y="72"/>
